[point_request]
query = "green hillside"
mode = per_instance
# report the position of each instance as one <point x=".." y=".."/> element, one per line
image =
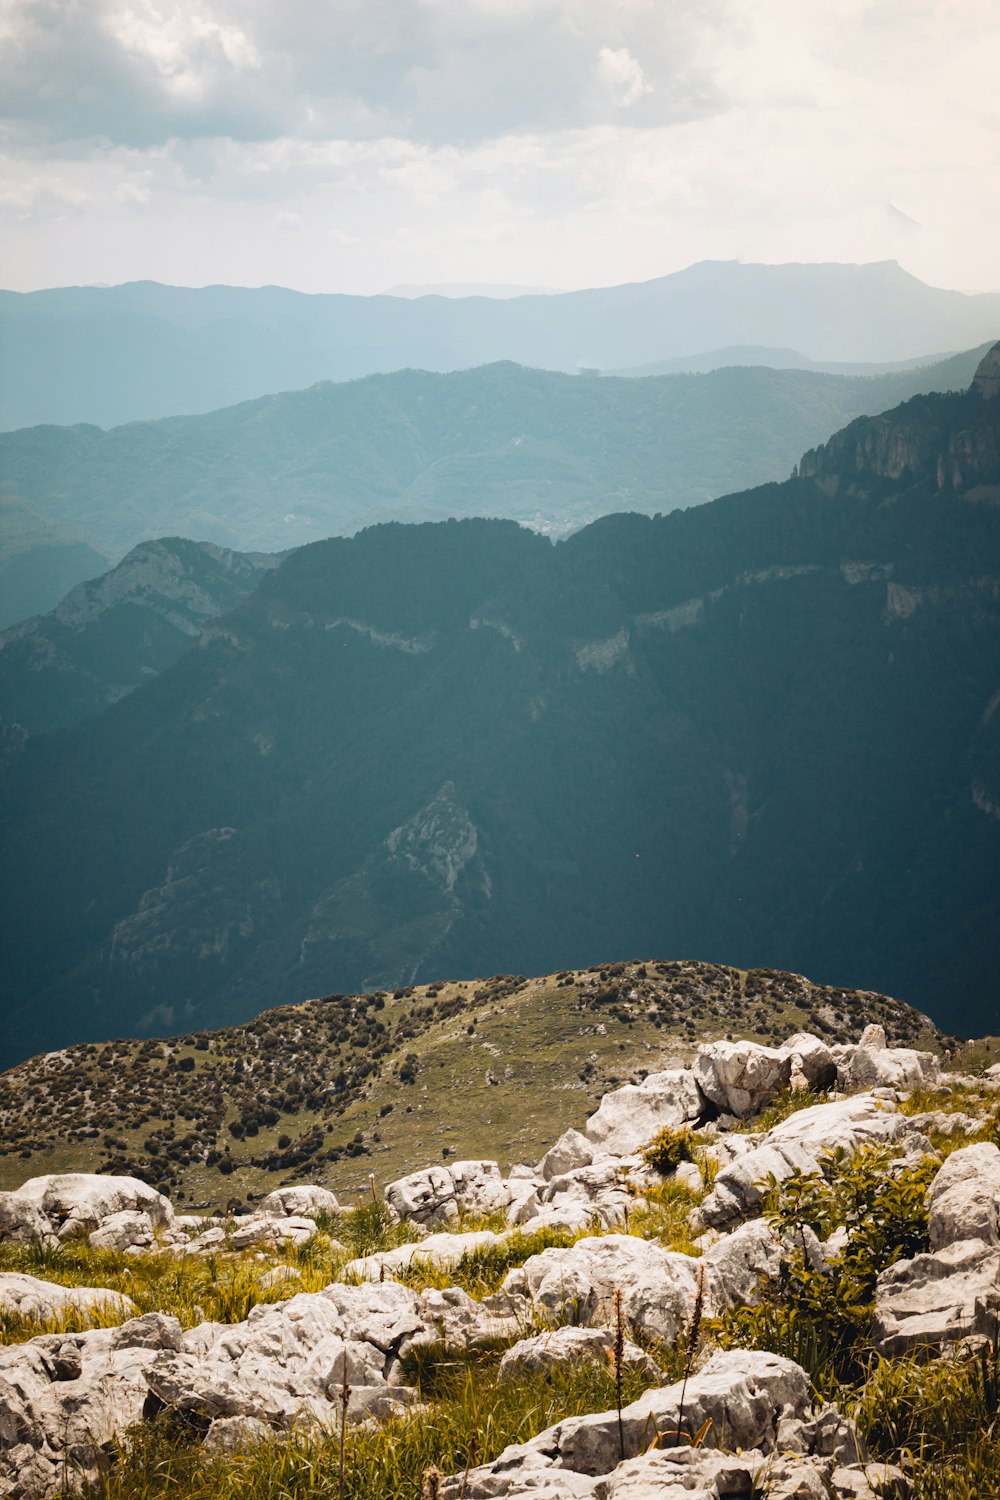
<point x="553" y="451"/>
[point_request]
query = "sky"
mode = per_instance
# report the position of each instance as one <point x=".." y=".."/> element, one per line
<point x="356" y="144"/>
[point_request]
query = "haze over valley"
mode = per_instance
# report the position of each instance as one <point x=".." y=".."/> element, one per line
<point x="499" y="751"/>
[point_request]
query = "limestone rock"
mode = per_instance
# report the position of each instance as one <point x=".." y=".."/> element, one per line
<point x="21" y="1220"/>
<point x="441" y="1250"/>
<point x="229" y="1435"/>
<point x="813" y="1063"/>
<point x="569" y="1346"/>
<point x="872" y="1064"/>
<point x="741" y="1077"/>
<point x="263" y="1232"/>
<point x="570" y="1151"/>
<point x="128" y="1230"/>
<point x="742" y="1393"/>
<point x="577" y="1284"/>
<point x="737" y="1265"/>
<point x="304" y="1200"/>
<point x="28" y="1297"/>
<point x="439" y="1194"/>
<point x="600" y="1191"/>
<point x="72" y="1203"/>
<point x="630" y="1116"/>
<point x="798" y="1142"/>
<point x="964" y="1199"/>
<point x="938" y="1299"/>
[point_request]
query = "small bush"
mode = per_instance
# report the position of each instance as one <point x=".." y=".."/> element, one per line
<point x="668" y="1148"/>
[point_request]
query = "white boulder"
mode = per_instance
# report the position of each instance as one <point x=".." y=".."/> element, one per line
<point x="569" y="1346"/>
<point x="76" y="1203"/>
<point x="938" y="1299"/>
<point x="28" y="1297"/>
<point x="442" y="1251"/>
<point x="630" y="1116"/>
<point x="439" y="1194"/>
<point x="305" y="1200"/>
<point x="741" y="1077"/>
<point x="576" y="1284"/>
<point x="964" y="1198"/>
<point x="798" y="1143"/>
<point x="128" y="1230"/>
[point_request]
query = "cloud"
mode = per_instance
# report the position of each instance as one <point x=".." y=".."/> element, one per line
<point x="623" y="75"/>
<point x="566" y="142"/>
<point x="139" y="72"/>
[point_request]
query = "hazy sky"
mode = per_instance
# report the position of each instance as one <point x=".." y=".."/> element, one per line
<point x="353" y="144"/>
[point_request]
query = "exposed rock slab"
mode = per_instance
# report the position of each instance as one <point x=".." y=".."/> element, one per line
<point x="29" y="1297"/>
<point x="964" y="1198"/>
<point x="569" y="1346"/>
<point x="630" y="1116"/>
<point x="797" y="1143"/>
<point x="938" y="1299"/>
<point x="439" y="1194"/>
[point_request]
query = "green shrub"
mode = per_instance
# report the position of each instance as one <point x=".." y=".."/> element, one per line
<point x="668" y="1148"/>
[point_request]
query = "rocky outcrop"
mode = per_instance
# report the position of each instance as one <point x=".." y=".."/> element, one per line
<point x="754" y="1405"/>
<point x="63" y="1397"/>
<point x="628" y="1117"/>
<point x="300" y="1199"/>
<point x="939" y="1299"/>
<point x="568" y="1346"/>
<point x="43" y="1301"/>
<point x="964" y="1199"/>
<point x="797" y="1144"/>
<point x="441" y="1194"/>
<point x="986" y="381"/>
<point x="78" y="1203"/>
<point x="952" y="1293"/>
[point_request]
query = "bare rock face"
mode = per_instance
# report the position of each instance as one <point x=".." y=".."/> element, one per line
<point x="570" y="1151"/>
<point x="627" y="1118"/>
<point x="741" y="1077"/>
<point x="439" y="1250"/>
<point x="28" y="1297"/>
<point x="872" y="1064"/>
<point x="759" y="1401"/>
<point x="797" y="1143"/>
<point x="986" y="381"/>
<point x="569" y="1346"/>
<point x="77" y="1203"/>
<point x="63" y="1397"/>
<point x="938" y="1299"/>
<point x="304" y="1200"/>
<point x="577" y="1284"/>
<point x="439" y="1194"/>
<point x="128" y="1230"/>
<point x="964" y="1198"/>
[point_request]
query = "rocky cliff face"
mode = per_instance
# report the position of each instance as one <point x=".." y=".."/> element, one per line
<point x="946" y="442"/>
<point x="114" y="632"/>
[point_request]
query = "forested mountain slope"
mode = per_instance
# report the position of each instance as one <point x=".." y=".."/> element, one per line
<point x="762" y="729"/>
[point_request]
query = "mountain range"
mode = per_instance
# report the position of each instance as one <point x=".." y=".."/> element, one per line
<point x="109" y="355"/>
<point x="111" y="634"/>
<point x="551" y="450"/>
<point x="763" y="728"/>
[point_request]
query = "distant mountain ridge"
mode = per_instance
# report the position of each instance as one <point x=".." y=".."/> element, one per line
<point x="142" y="350"/>
<point x="763" y="728"/>
<point x="110" y="635"/>
<point x="551" y="450"/>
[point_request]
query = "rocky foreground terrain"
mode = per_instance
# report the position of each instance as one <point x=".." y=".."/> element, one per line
<point x="774" y="1272"/>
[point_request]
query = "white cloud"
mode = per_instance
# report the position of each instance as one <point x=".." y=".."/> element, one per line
<point x="566" y="142"/>
<point x="623" y="75"/>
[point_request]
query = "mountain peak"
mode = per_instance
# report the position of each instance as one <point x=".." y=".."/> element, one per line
<point x="987" y="378"/>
